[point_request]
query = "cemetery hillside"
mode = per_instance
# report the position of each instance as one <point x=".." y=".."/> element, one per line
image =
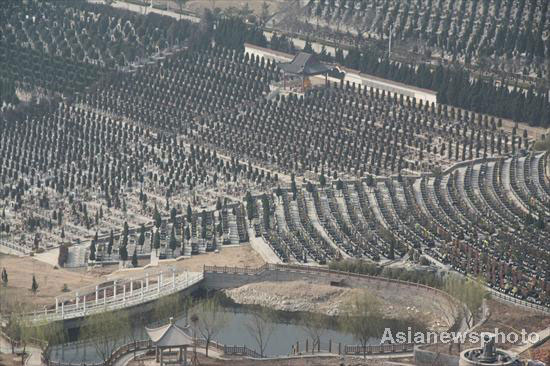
<point x="278" y="182"/>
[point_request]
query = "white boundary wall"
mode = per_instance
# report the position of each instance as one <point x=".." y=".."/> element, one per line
<point x="370" y="81"/>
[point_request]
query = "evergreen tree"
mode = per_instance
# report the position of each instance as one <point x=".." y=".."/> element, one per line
<point x="141" y="239"/>
<point x="250" y="206"/>
<point x="308" y="48"/>
<point x="173" y="215"/>
<point x="173" y="242"/>
<point x="125" y="229"/>
<point x="4" y="277"/>
<point x="156" y="217"/>
<point x="370" y="181"/>
<point x="156" y="243"/>
<point x="322" y="180"/>
<point x="134" y="259"/>
<point x="182" y="249"/>
<point x="339" y="56"/>
<point x="391" y="255"/>
<point x="187" y="234"/>
<point x="189" y="212"/>
<point x="111" y="242"/>
<point x="34" y="285"/>
<point x="123" y="253"/>
<point x="92" y="251"/>
<point x="124" y="236"/>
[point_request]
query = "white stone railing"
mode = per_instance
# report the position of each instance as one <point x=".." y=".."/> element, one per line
<point x="512" y="300"/>
<point x="118" y="296"/>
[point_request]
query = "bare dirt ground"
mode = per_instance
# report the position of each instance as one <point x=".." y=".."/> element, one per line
<point x="330" y="300"/>
<point x="51" y="280"/>
<point x="515" y="317"/>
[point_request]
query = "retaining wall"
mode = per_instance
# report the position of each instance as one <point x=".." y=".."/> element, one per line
<point x="218" y="278"/>
<point x="229" y="277"/>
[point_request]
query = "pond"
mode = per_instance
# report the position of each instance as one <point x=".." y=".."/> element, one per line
<point x="287" y="332"/>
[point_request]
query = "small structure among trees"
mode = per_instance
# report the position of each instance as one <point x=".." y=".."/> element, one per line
<point x="303" y="65"/>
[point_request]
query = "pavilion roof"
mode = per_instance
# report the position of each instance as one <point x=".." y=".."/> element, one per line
<point x="169" y="335"/>
<point x="304" y="64"/>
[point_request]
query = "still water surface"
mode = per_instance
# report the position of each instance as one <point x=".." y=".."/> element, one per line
<point x="285" y="335"/>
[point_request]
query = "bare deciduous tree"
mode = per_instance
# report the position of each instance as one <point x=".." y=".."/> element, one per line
<point x="17" y="326"/>
<point x="168" y="306"/>
<point x="362" y="318"/>
<point x="45" y="334"/>
<point x="315" y="325"/>
<point x="265" y="14"/>
<point x="261" y="326"/>
<point x="209" y="319"/>
<point x="470" y="292"/>
<point x="104" y="331"/>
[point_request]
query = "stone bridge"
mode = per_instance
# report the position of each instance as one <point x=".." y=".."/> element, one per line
<point x="117" y="294"/>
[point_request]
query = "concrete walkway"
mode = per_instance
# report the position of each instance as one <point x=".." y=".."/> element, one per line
<point x="542" y="335"/>
<point x="34" y="358"/>
<point x="262" y="248"/>
<point x="50" y="257"/>
<point x="124" y="360"/>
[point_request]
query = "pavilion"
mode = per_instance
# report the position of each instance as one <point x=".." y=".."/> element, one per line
<point x="304" y="65"/>
<point x="167" y="338"/>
